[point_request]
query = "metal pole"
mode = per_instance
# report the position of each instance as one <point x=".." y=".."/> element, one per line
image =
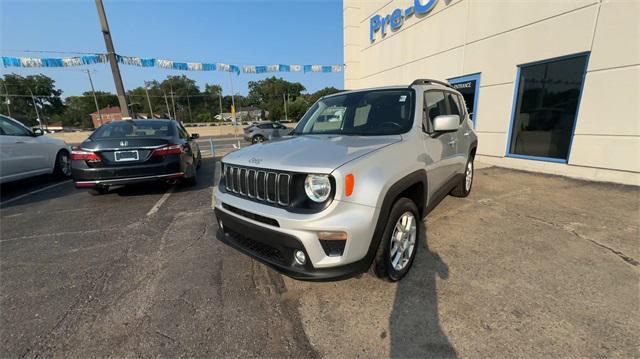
<point x="173" y="102"/>
<point x="284" y="97"/>
<point x="95" y="99"/>
<point x="33" y="99"/>
<point x="220" y="102"/>
<point x="189" y="107"/>
<point x="6" y="92"/>
<point x="146" y="90"/>
<point x="111" y="53"/>
<point x="167" y="103"/>
<point x="233" y="105"/>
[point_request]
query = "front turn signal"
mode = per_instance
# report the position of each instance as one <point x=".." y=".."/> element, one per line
<point x="349" y="183"/>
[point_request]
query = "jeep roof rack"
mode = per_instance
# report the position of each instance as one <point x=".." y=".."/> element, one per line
<point x="429" y="81"/>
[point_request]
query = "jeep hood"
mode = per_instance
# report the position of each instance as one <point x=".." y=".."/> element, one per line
<point x="308" y="153"/>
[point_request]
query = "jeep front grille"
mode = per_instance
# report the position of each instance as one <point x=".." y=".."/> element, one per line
<point x="258" y="184"/>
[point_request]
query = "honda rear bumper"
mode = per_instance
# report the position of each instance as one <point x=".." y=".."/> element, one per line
<point x="129" y="180"/>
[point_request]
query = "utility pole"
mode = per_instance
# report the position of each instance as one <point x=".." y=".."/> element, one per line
<point x="6" y="93"/>
<point x="95" y="99"/>
<point x="111" y="53"/>
<point x="146" y="90"/>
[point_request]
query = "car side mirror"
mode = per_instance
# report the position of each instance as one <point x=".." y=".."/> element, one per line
<point x="38" y="132"/>
<point x="194" y="136"/>
<point x="446" y="123"/>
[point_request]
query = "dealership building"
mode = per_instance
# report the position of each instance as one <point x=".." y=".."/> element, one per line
<point x="552" y="86"/>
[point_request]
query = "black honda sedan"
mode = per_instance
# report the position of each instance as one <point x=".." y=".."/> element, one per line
<point x="135" y="151"/>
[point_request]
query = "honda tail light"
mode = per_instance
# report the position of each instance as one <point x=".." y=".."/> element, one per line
<point x="80" y="155"/>
<point x="168" y="150"/>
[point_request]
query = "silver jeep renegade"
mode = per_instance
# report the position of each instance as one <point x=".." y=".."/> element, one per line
<point x="348" y="190"/>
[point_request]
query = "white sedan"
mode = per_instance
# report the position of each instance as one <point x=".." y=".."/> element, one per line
<point x="26" y="153"/>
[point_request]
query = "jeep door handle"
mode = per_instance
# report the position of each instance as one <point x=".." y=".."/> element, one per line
<point x="466" y="133"/>
<point x="452" y="143"/>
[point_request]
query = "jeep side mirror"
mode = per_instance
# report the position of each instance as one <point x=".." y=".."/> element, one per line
<point x="195" y="136"/>
<point x="446" y="123"/>
<point x="38" y="132"/>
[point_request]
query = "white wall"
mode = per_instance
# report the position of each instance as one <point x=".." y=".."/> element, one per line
<point x="462" y="37"/>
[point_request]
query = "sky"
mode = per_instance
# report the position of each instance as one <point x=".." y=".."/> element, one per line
<point x="236" y="32"/>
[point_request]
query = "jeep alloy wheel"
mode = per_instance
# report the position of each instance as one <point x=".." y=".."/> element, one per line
<point x="403" y="241"/>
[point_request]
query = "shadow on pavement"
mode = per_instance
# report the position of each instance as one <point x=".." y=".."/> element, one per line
<point x="414" y="324"/>
<point x="9" y="192"/>
<point x="12" y="190"/>
<point x="205" y="179"/>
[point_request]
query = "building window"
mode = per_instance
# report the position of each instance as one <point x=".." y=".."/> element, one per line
<point x="546" y="104"/>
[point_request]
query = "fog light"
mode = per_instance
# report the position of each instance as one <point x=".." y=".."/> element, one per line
<point x="300" y="257"/>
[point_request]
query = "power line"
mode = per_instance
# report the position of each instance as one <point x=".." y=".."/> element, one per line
<point x="110" y="94"/>
<point x="52" y="52"/>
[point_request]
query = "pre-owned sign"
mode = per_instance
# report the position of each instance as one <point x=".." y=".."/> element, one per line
<point x="396" y="18"/>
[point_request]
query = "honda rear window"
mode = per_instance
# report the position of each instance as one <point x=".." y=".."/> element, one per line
<point x="122" y="129"/>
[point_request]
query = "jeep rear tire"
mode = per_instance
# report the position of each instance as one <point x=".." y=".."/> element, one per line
<point x="399" y="242"/>
<point x="464" y="187"/>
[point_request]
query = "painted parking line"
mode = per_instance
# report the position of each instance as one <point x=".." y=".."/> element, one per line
<point x="33" y="192"/>
<point x="158" y="204"/>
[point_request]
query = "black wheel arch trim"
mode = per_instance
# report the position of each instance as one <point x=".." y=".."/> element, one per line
<point x="413" y="178"/>
<point x="473" y="147"/>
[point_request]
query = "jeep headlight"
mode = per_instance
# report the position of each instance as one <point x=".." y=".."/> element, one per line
<point x="317" y="187"/>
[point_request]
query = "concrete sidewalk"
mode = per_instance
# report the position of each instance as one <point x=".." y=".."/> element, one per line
<point x="529" y="266"/>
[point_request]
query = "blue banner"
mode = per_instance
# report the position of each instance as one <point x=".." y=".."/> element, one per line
<point x="8" y="61"/>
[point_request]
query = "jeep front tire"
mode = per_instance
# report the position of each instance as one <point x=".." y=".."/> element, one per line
<point x="399" y="242"/>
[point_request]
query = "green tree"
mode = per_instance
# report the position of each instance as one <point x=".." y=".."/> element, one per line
<point x="312" y="98"/>
<point x="268" y="94"/>
<point x="181" y="87"/>
<point x="79" y="108"/>
<point x="46" y="97"/>
<point x="212" y="97"/>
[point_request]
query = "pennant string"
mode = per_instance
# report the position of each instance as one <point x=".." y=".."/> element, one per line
<point x="8" y="61"/>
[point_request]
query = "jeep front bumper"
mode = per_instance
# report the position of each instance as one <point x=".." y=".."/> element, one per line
<point x="275" y="243"/>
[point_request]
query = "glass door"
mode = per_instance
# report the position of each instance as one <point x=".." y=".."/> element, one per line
<point x="468" y="86"/>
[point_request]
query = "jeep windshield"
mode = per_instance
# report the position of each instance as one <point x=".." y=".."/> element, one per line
<point x="362" y="113"/>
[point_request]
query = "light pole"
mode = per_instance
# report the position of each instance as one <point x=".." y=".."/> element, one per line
<point x="146" y="90"/>
<point x="6" y="93"/>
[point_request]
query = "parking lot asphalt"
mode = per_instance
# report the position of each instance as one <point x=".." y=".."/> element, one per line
<point x="529" y="265"/>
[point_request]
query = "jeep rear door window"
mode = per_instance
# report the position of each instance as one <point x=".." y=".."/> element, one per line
<point x="546" y="104"/>
<point x="362" y="113"/>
